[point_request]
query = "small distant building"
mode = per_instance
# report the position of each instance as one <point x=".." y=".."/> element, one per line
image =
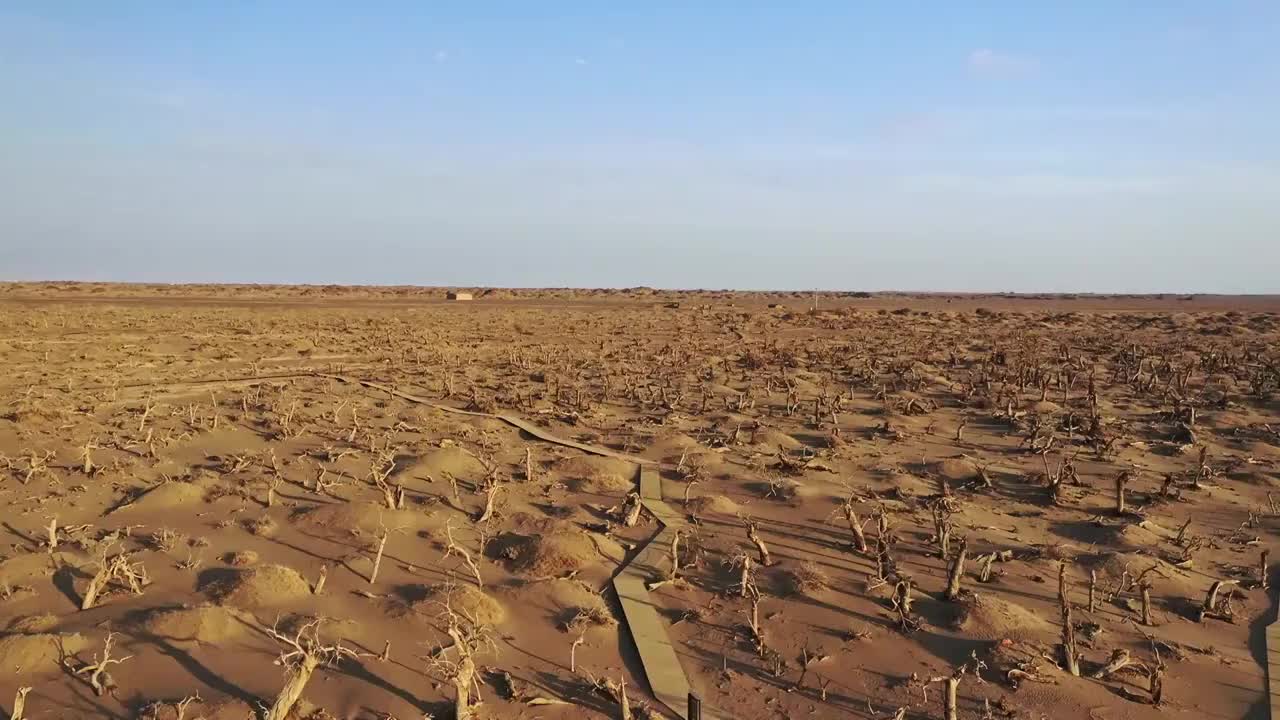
<point x="455" y="295"/>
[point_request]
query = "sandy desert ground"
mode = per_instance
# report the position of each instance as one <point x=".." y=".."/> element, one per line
<point x="881" y="498"/>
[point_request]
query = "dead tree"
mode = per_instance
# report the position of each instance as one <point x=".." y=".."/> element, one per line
<point x="99" y="679"/>
<point x="1121" y="480"/>
<point x="673" y="576"/>
<point x="1070" y="655"/>
<point x="631" y="509"/>
<point x="942" y="527"/>
<point x="757" y="631"/>
<point x="855" y="525"/>
<point x="746" y="580"/>
<point x="1119" y="660"/>
<point x="901" y="602"/>
<point x="119" y="567"/>
<point x="377" y="558"/>
<point x="300" y="656"/>
<point x="754" y="536"/>
<point x="1214" y="606"/>
<point x="1146" y="604"/>
<point x="956" y="573"/>
<point x="452" y="548"/>
<point x="490" y="499"/>
<point x="19" y="703"/>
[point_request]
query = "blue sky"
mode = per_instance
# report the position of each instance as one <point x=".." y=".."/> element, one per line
<point x="1084" y="146"/>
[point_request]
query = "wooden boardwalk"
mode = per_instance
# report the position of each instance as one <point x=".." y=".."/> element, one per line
<point x="658" y="656"/>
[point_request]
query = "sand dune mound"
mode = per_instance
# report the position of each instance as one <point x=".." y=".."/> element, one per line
<point x="913" y="485"/>
<point x="37" y="654"/>
<point x="988" y="617"/>
<point x="18" y="570"/>
<point x="167" y="497"/>
<point x="563" y="550"/>
<point x="1046" y="407"/>
<point x="713" y="505"/>
<point x="202" y="623"/>
<point x="435" y="463"/>
<point x="363" y="516"/>
<point x="602" y="484"/>
<point x="703" y="459"/>
<point x="773" y="439"/>
<point x="600" y="475"/>
<point x="465" y="599"/>
<point x="587" y="465"/>
<point x="264" y="586"/>
<point x="672" y="444"/>
<point x="1165" y="578"/>
<point x="956" y="469"/>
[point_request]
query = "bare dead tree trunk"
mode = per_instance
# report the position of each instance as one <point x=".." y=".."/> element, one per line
<point x="490" y="496"/>
<point x="942" y="530"/>
<point x="855" y="526"/>
<point x="987" y="561"/>
<point x="1093" y="584"/>
<point x="319" y="586"/>
<point x="1119" y="659"/>
<point x="1069" y="641"/>
<point x="631" y="514"/>
<point x="1146" y="605"/>
<point x="754" y="536"/>
<point x="19" y="704"/>
<point x="1211" y="608"/>
<point x="462" y="688"/>
<point x="957" y="572"/>
<point x="293" y="687"/>
<point x="952" y="705"/>
<point x="1263" y="581"/>
<point x="377" y="559"/>
<point x="746" y="574"/>
<point x="1121" y="480"/>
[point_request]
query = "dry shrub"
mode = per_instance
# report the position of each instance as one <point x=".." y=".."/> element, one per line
<point x="240" y="558"/>
<point x="264" y="526"/>
<point x="807" y="579"/>
<point x="580" y="619"/>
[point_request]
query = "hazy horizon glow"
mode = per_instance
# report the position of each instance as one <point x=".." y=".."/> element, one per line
<point x="1083" y="148"/>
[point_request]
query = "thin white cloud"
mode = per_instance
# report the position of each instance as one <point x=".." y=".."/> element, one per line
<point x="441" y="56"/>
<point x="1043" y="184"/>
<point x="580" y="61"/>
<point x="985" y="61"/>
